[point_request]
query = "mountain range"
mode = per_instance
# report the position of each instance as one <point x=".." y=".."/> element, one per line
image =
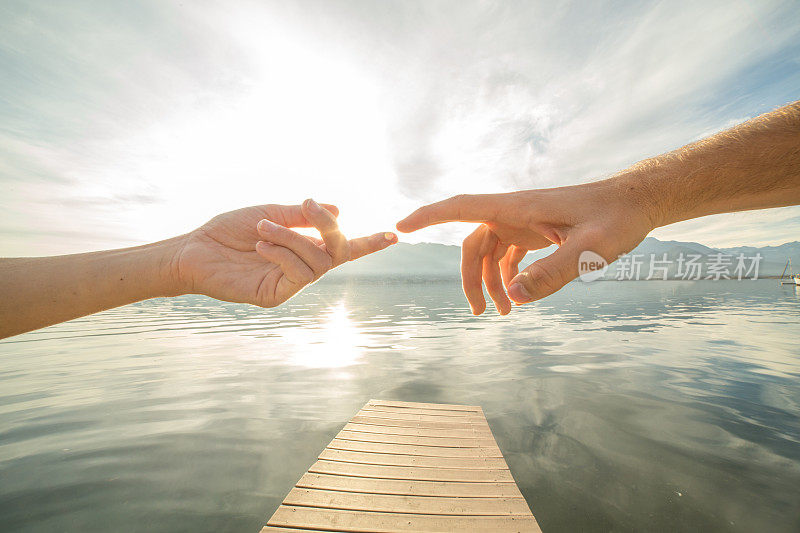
<point x="440" y="261"/>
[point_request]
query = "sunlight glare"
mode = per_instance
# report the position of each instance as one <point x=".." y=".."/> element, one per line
<point x="336" y="343"/>
<point x="306" y="122"/>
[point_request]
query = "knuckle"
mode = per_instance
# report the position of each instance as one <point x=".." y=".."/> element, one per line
<point x="297" y="242"/>
<point x="472" y="242"/>
<point x="270" y="211"/>
<point x="499" y="252"/>
<point x="305" y="276"/>
<point x="543" y="278"/>
<point x="594" y="236"/>
<point x="326" y="224"/>
<point x="322" y="263"/>
<point x="488" y="242"/>
<point x="341" y="248"/>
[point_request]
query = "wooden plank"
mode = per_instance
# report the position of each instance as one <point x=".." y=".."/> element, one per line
<point x="278" y="529"/>
<point x="364" y="521"/>
<point x="388" y="459"/>
<point x="401" y="466"/>
<point x="408" y="449"/>
<point x="394" y="422"/>
<point x="427" y="412"/>
<point x="418" y="432"/>
<point x="413" y="473"/>
<point x="414" y="417"/>
<point x="271" y="529"/>
<point x="409" y="488"/>
<point x="430" y="406"/>
<point x="460" y="442"/>
<point x="458" y="415"/>
<point x="329" y="499"/>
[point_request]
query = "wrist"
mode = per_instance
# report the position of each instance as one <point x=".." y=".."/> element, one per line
<point x="638" y="188"/>
<point x="164" y="256"/>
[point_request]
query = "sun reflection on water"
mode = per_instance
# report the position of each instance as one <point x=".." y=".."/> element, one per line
<point x="336" y="342"/>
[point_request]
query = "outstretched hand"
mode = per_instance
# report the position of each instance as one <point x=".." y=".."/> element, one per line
<point x="250" y="255"/>
<point x="603" y="217"/>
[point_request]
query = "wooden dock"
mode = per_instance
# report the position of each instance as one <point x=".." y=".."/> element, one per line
<point x="400" y="466"/>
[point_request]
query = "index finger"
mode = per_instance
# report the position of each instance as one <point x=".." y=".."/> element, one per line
<point x="461" y="208"/>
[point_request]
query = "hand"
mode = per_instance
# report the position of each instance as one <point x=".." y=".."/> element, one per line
<point x="608" y="217"/>
<point x="250" y="255"/>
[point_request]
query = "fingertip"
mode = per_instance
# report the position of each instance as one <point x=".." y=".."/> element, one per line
<point x="518" y="292"/>
<point x="379" y="241"/>
<point x="503" y="306"/>
<point x="382" y="241"/>
<point x="409" y="224"/>
<point x="312" y="206"/>
<point x="478" y="308"/>
<point x="309" y="205"/>
<point x="266" y="225"/>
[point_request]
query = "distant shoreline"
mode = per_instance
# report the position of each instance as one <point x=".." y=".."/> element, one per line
<point x="417" y="279"/>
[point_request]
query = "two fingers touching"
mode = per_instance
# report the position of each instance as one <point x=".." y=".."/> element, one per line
<point x="304" y="259"/>
<point x="591" y="217"/>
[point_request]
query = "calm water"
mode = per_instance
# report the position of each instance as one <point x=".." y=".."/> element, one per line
<point x="658" y="406"/>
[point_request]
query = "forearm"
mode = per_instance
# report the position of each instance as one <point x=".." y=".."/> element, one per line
<point x="41" y="291"/>
<point x="755" y="165"/>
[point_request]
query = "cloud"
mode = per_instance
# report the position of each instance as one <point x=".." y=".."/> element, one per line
<point x="530" y="100"/>
<point x="144" y="119"/>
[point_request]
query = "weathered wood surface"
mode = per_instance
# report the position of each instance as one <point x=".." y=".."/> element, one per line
<point x="402" y="466"/>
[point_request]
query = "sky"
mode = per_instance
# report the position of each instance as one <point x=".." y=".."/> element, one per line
<point x="127" y="122"/>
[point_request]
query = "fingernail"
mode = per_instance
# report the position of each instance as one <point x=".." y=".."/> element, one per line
<point x="518" y="293"/>
<point x="314" y="206"/>
<point x="266" y="225"/>
<point x="391" y="237"/>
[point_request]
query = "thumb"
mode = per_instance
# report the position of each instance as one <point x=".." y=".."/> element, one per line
<point x="547" y="275"/>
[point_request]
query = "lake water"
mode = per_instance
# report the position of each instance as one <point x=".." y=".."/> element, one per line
<point x="638" y="406"/>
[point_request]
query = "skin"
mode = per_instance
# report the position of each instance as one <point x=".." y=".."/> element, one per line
<point x="249" y="255"/>
<point x="755" y="165"/>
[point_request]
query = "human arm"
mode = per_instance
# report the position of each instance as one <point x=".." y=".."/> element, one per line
<point x="236" y="257"/>
<point x="755" y="165"/>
